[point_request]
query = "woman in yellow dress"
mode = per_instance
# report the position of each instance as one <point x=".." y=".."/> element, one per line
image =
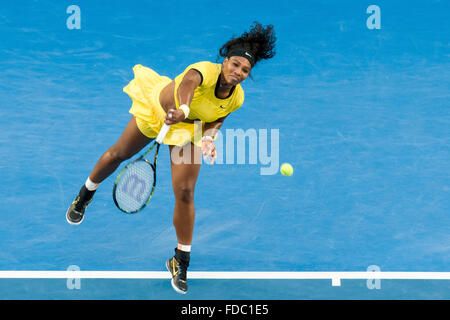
<point x="195" y="104"/>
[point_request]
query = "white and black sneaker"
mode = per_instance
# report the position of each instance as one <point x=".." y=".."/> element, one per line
<point x="75" y="213"/>
<point x="177" y="266"/>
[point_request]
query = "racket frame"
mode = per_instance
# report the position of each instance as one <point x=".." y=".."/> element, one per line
<point x="157" y="142"/>
<point x="152" y="165"/>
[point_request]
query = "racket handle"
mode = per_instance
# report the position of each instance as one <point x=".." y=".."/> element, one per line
<point x="162" y="133"/>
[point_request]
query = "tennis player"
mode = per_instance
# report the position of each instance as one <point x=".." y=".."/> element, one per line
<point x="196" y="101"/>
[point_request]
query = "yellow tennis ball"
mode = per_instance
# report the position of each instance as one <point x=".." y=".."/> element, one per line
<point x="286" y="169"/>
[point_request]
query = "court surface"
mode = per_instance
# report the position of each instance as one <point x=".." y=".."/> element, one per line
<point x="363" y="115"/>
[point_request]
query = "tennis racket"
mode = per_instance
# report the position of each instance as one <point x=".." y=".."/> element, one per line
<point x="136" y="182"/>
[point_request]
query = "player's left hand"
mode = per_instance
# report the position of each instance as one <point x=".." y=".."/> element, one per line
<point x="209" y="150"/>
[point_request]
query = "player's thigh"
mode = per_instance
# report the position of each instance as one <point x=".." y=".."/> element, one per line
<point x="131" y="141"/>
<point x="185" y="167"/>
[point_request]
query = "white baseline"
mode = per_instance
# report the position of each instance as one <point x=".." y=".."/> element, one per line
<point x="334" y="276"/>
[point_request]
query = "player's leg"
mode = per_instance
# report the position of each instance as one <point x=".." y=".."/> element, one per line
<point x="131" y="141"/>
<point x="184" y="178"/>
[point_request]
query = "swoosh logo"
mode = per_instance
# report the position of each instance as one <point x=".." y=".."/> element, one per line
<point x="222" y="107"/>
<point x="173" y="268"/>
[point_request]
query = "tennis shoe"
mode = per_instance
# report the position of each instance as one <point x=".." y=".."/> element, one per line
<point x="177" y="267"/>
<point x="75" y="213"/>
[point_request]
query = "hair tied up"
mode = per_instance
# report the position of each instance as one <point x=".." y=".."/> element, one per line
<point x="260" y="40"/>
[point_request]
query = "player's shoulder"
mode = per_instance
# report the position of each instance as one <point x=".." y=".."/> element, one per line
<point x="238" y="96"/>
<point x="206" y="66"/>
<point x="209" y="71"/>
<point x="240" y="92"/>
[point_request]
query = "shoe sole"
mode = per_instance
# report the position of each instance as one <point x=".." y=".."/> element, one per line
<point x="171" y="282"/>
<point x="71" y="222"/>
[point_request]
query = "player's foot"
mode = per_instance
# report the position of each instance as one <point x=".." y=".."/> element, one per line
<point x="75" y="213"/>
<point x="177" y="266"/>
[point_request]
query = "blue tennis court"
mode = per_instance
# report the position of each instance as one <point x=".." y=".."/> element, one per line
<point x="356" y="100"/>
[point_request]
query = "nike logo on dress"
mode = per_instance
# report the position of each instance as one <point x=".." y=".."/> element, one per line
<point x="222" y="107"/>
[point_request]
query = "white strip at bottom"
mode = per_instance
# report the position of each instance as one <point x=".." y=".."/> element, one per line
<point x="335" y="276"/>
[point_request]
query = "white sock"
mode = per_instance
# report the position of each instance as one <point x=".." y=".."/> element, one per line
<point x="183" y="247"/>
<point x="91" y="186"/>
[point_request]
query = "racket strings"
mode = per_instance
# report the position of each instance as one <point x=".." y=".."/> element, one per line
<point x="135" y="186"/>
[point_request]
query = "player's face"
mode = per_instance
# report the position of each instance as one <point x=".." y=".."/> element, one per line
<point x="236" y="69"/>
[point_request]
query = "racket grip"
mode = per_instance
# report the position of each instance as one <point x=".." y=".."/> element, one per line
<point x="162" y="133"/>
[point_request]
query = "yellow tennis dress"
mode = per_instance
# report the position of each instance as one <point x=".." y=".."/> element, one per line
<point x="146" y="86"/>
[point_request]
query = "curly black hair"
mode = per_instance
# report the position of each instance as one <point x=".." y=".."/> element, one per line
<point x="259" y="40"/>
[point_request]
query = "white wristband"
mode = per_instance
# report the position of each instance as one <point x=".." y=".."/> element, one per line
<point x="185" y="110"/>
<point x="207" y="138"/>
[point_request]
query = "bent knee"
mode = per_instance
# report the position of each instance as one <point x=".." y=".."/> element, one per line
<point x="184" y="194"/>
<point x="118" y="155"/>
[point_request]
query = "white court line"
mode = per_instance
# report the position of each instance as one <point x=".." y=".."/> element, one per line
<point x="224" y="275"/>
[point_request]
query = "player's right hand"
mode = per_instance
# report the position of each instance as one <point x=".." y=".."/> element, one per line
<point x="174" y="116"/>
